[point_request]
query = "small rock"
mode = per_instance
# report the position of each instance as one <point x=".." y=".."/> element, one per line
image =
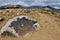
<point x="18" y="13"/>
<point x="1" y="18"/>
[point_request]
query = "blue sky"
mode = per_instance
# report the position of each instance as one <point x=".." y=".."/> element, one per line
<point x="52" y="3"/>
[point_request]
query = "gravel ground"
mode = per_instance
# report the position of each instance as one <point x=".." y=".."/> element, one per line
<point x="50" y="23"/>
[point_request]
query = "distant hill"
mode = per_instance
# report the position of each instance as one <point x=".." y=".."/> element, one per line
<point x="19" y="6"/>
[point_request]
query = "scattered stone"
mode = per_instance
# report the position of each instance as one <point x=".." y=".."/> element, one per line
<point x="26" y="11"/>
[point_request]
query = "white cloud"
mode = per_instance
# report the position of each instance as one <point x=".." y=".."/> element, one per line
<point x="53" y="3"/>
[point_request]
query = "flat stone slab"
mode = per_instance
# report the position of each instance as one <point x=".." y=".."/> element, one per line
<point x="20" y="25"/>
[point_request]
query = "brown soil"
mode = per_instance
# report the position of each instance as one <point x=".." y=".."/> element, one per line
<point x="50" y="25"/>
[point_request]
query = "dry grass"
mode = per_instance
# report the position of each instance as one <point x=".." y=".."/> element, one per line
<point x="50" y="25"/>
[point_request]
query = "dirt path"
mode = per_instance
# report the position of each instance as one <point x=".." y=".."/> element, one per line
<point x="50" y="28"/>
